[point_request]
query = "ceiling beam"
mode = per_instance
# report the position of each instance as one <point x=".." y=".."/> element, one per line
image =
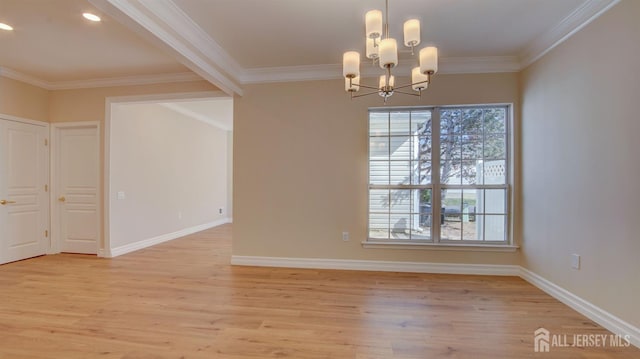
<point x="166" y="25"/>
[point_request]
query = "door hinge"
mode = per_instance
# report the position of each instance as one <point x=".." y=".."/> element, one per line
<point x="46" y="234"/>
<point x="46" y="142"/>
<point x="46" y="188"/>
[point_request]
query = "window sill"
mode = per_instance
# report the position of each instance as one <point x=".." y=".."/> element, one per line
<point x="441" y="246"/>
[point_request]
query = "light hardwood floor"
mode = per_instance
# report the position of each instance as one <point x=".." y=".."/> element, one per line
<point x="182" y="299"/>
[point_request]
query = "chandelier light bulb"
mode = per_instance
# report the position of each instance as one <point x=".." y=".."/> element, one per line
<point x="351" y="64"/>
<point x="418" y="79"/>
<point x="373" y="24"/>
<point x="412" y="33"/>
<point x="429" y="60"/>
<point x="388" y="53"/>
<point x="351" y="85"/>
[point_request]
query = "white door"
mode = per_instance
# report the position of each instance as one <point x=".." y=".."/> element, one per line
<point x="76" y="171"/>
<point x="24" y="203"/>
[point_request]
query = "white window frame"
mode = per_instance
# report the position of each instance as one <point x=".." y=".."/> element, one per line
<point x="436" y="242"/>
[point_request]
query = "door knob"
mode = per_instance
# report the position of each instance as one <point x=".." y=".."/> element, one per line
<point x="62" y="199"/>
<point x="4" y="201"/>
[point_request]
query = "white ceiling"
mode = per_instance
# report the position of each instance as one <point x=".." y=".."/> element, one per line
<point x="231" y="42"/>
<point x="53" y="42"/>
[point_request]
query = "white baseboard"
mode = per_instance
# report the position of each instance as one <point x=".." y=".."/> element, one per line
<point x="589" y="310"/>
<point x="131" y="247"/>
<point x="381" y="266"/>
<point x="597" y="314"/>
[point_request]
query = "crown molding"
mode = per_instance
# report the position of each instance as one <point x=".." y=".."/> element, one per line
<point x="125" y="81"/>
<point x="19" y="76"/>
<point x="451" y="65"/>
<point x="579" y="18"/>
<point x="100" y="82"/>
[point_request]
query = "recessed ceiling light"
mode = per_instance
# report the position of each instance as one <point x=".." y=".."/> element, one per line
<point x="4" y="26"/>
<point x="91" y="17"/>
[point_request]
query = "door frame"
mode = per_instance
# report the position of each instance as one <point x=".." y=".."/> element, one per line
<point x="105" y="250"/>
<point x="47" y="165"/>
<point x="56" y="129"/>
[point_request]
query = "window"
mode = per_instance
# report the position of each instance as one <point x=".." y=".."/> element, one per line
<point x="455" y="194"/>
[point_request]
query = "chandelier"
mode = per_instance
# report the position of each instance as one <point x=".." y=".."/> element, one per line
<point x="381" y="48"/>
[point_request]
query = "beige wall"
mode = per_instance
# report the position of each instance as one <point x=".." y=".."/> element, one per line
<point x="580" y="151"/>
<point x="172" y="169"/>
<point x="300" y="167"/>
<point x="23" y="100"/>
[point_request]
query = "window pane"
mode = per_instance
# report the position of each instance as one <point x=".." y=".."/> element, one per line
<point x="495" y="172"/>
<point x="378" y="225"/>
<point x="379" y="148"/>
<point x="379" y="172"/>
<point x="378" y="124"/>
<point x="469" y="172"/>
<point x="421" y="123"/>
<point x="495" y="147"/>
<point x="471" y="121"/>
<point x="495" y="120"/>
<point x="471" y="147"/>
<point x="400" y="172"/>
<point x="494" y="201"/>
<point x="450" y="172"/>
<point x="379" y="200"/>
<point x="472" y="230"/>
<point x="400" y="147"/>
<point x="450" y="147"/>
<point x="450" y="121"/>
<point x="494" y="228"/>
<point x="400" y="226"/>
<point x="451" y="230"/>
<point x="400" y="123"/>
<point x="401" y="201"/>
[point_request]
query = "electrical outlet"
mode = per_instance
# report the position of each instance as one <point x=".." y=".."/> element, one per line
<point x="575" y="261"/>
<point x="179" y="215"/>
<point x="220" y="211"/>
<point x="345" y="236"/>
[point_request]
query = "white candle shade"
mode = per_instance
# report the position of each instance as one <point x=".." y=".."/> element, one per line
<point x="372" y="50"/>
<point x="352" y="85"/>
<point x="412" y="33"/>
<point x="373" y="23"/>
<point x="388" y="52"/>
<point x="429" y="60"/>
<point x="351" y="64"/>
<point x="416" y="78"/>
